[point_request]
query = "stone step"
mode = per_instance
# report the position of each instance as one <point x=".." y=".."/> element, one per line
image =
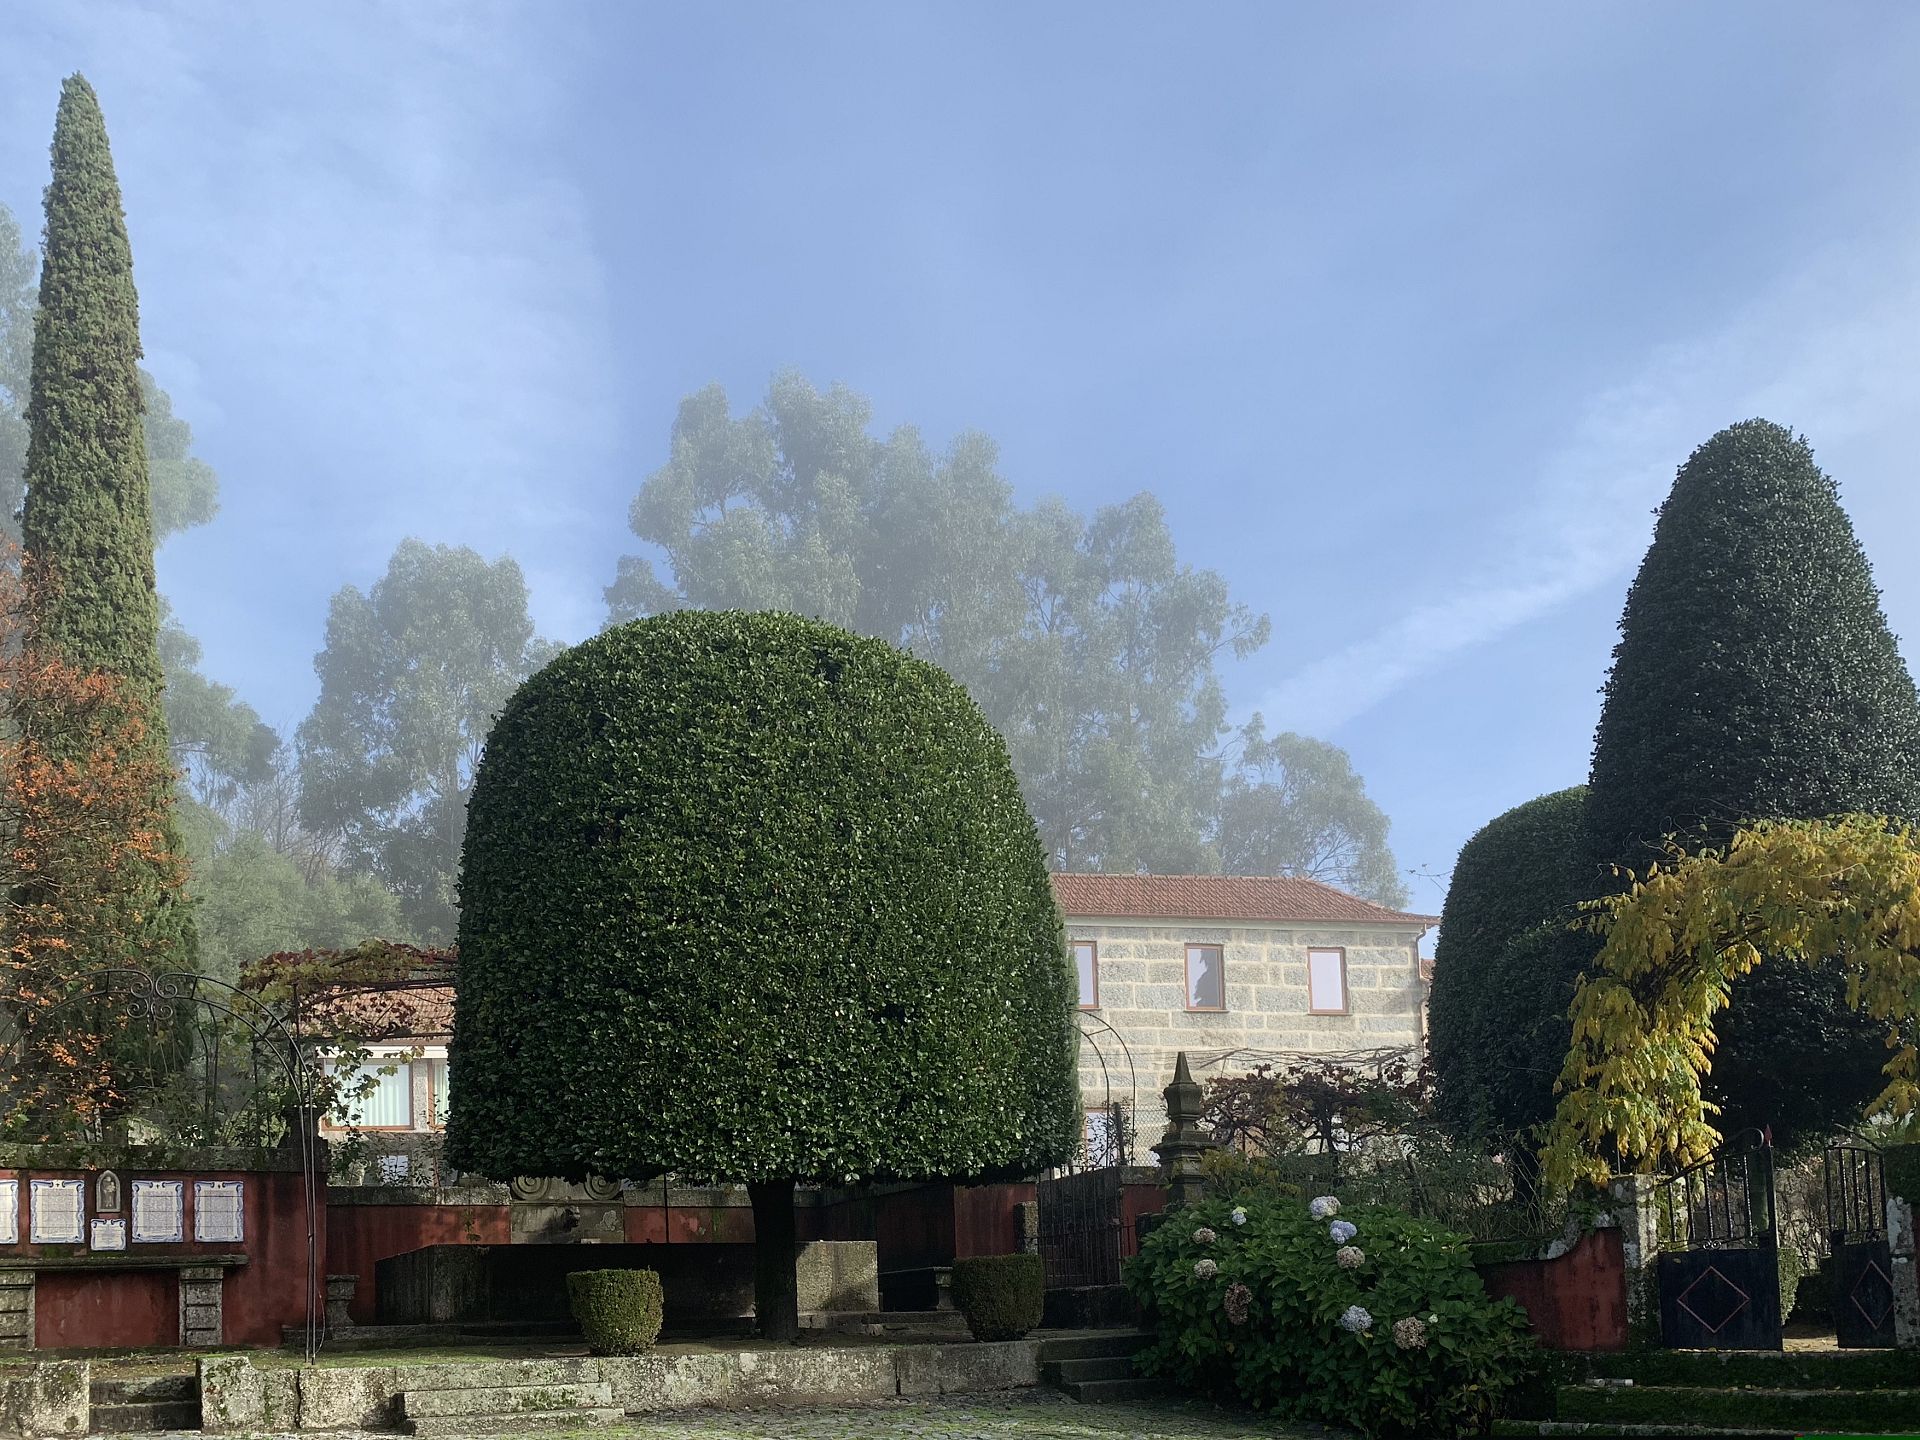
<point x="134" y="1389"/>
<point x="502" y="1374"/>
<point x="1859" y="1412"/>
<point x="458" y="1425"/>
<point x="1092" y="1345"/>
<point x="1600" y="1431"/>
<point x="504" y="1400"/>
<point x="1096" y="1367"/>
<point x="146" y="1416"/>
<point x="1760" y="1369"/>
<point x="1108" y="1392"/>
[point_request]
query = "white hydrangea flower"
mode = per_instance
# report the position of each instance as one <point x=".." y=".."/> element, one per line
<point x="1239" y="1215"/>
<point x="1410" y="1333"/>
<point x="1205" y="1269"/>
<point x="1204" y="1236"/>
<point x="1356" y="1320"/>
<point x="1350" y="1257"/>
<point x="1342" y="1231"/>
<point x="1324" y="1207"/>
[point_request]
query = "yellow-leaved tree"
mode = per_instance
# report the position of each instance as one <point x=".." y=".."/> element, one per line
<point x="1844" y="891"/>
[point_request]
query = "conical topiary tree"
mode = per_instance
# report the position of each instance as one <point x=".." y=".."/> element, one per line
<point x="87" y="523"/>
<point x="745" y="897"/>
<point x="1755" y="678"/>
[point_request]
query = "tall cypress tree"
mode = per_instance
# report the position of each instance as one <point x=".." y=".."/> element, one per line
<point x="1756" y="678"/>
<point x="87" y="522"/>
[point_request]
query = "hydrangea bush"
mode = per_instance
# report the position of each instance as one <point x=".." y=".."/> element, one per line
<point x="1377" y="1321"/>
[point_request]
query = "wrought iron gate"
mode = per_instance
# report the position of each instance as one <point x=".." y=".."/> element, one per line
<point x="1083" y="1233"/>
<point x="1719" y="1264"/>
<point x="1856" y="1195"/>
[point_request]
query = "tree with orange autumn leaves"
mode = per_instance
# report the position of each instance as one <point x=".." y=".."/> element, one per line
<point x="78" y="775"/>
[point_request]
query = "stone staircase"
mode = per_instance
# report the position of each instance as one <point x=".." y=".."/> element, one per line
<point x="1745" y="1393"/>
<point x="512" y="1409"/>
<point x="1097" y="1367"/>
<point x="145" y="1403"/>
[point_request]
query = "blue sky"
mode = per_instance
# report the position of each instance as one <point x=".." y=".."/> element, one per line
<point x="1406" y="312"/>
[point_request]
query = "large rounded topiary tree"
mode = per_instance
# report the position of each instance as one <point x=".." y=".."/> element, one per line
<point x="745" y="897"/>
<point x="1756" y="679"/>
<point x="1504" y="969"/>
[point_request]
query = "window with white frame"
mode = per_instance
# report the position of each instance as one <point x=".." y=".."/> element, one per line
<point x="1206" y="977"/>
<point x="1327" y="982"/>
<point x="1086" y="961"/>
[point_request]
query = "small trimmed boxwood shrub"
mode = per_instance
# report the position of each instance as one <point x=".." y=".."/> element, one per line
<point x="618" y="1310"/>
<point x="1385" y="1328"/>
<point x="1001" y="1296"/>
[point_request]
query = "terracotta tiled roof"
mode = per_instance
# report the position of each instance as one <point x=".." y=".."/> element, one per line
<point x="1277" y="898"/>
<point x="388" y="1013"/>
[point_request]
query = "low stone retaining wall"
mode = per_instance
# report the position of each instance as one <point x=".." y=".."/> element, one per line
<point x="238" y="1395"/>
<point x="46" y="1397"/>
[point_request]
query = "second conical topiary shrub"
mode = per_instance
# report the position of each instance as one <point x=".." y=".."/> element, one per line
<point x="1756" y="678"/>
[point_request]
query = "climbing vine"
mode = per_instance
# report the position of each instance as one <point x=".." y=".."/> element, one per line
<point x="1800" y="892"/>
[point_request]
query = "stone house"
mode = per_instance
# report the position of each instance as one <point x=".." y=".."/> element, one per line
<point x="1236" y="970"/>
<point x="391" y="1131"/>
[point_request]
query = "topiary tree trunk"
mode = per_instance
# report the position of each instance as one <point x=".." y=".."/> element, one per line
<point x="776" y="1286"/>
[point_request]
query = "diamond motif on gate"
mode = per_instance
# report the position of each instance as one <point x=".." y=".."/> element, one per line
<point x="1713" y="1294"/>
<point x="1872" y="1294"/>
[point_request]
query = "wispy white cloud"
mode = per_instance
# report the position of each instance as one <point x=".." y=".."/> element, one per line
<point x="1829" y="351"/>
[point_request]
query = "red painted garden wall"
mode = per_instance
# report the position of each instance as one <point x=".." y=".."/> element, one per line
<point x="126" y="1308"/>
<point x="101" y="1305"/>
<point x="1575" y="1302"/>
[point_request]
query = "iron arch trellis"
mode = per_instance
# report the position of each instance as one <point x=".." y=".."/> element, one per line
<point x="165" y="1023"/>
<point x="1121" y="1114"/>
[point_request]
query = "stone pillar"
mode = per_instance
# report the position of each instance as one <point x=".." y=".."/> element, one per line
<point x="1186" y="1140"/>
<point x="1633" y="1205"/>
<point x="16" y="1309"/>
<point x="1906" y="1285"/>
<point x="340" y="1292"/>
<point x="1026" y="1227"/>
<point x="202" y="1318"/>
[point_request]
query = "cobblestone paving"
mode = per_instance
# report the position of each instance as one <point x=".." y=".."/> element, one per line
<point x="1030" y="1415"/>
<point x="1038" y="1415"/>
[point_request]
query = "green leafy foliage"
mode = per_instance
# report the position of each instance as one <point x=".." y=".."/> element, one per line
<point x="1088" y="644"/>
<point x="619" y="1310"/>
<point x="1840" y="894"/>
<point x="1756" y="678"/>
<point x="1504" y="970"/>
<point x="87" y="522"/>
<point x="254" y="900"/>
<point x="1253" y="1312"/>
<point x="413" y="673"/>
<point x="746" y="897"/>
<point x="1001" y="1296"/>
